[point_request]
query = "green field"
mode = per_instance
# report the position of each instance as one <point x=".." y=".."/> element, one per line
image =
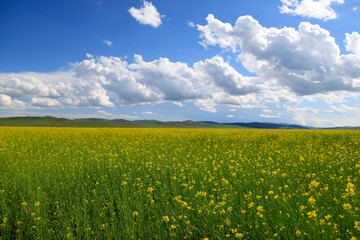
<point x="58" y="183"/>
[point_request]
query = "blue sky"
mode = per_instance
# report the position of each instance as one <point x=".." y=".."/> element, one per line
<point x="294" y="61"/>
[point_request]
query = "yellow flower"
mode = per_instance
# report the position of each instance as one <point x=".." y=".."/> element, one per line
<point x="347" y="206"/>
<point x="135" y="213"/>
<point x="357" y="225"/>
<point x="312" y="214"/>
<point x="166" y="218"/>
<point x="227" y="221"/>
<point x="298" y="233"/>
<point x="327" y="217"/>
<point x="172" y="226"/>
<point x="239" y="235"/>
<point x="314" y="184"/>
<point x="312" y="200"/>
<point x="251" y="204"/>
<point x="260" y="208"/>
<point x="37" y="204"/>
<point x="271" y="192"/>
<point x="23" y="203"/>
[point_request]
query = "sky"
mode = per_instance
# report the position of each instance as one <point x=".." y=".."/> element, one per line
<point x="281" y="61"/>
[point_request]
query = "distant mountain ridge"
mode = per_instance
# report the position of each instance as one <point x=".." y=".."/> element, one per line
<point x="49" y="121"/>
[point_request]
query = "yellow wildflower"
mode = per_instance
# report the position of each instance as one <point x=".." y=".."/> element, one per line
<point x="314" y="184"/>
<point x="347" y="206"/>
<point x="239" y="235"/>
<point x="312" y="214"/>
<point x="312" y="200"/>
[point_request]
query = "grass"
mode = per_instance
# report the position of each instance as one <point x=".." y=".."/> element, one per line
<point x="178" y="184"/>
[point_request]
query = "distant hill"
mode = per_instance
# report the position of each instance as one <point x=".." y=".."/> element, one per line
<point x="49" y="121"/>
<point x="98" y="122"/>
<point x="344" y="128"/>
<point x="262" y="125"/>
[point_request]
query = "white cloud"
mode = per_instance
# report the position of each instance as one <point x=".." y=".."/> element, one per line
<point x="45" y="102"/>
<point x="107" y="115"/>
<point x="108" y="42"/>
<point x="6" y="102"/>
<point x="190" y="23"/>
<point x="218" y="73"/>
<point x="97" y="114"/>
<point x="352" y="42"/>
<point x="146" y="14"/>
<point x="355" y="9"/>
<point x="206" y="105"/>
<point x="320" y="9"/>
<point x="229" y="116"/>
<point x="171" y="81"/>
<point x="306" y="61"/>
<point x="269" y="113"/>
<point x="110" y="81"/>
<point x="266" y="115"/>
<point x="147" y="113"/>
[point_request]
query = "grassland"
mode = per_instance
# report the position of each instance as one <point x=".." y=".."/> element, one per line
<point x="73" y="183"/>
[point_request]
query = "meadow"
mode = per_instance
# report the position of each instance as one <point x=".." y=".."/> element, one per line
<point x="83" y="183"/>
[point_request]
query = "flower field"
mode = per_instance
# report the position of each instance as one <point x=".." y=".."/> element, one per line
<point x="80" y="183"/>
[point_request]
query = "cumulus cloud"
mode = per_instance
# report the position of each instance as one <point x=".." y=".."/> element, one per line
<point x="306" y="60"/>
<point x="110" y="81"/>
<point x="45" y="102"/>
<point x="320" y="9"/>
<point x="352" y="42"/>
<point x="173" y="81"/>
<point x="218" y="73"/>
<point x="146" y="14"/>
<point x="6" y="102"/>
